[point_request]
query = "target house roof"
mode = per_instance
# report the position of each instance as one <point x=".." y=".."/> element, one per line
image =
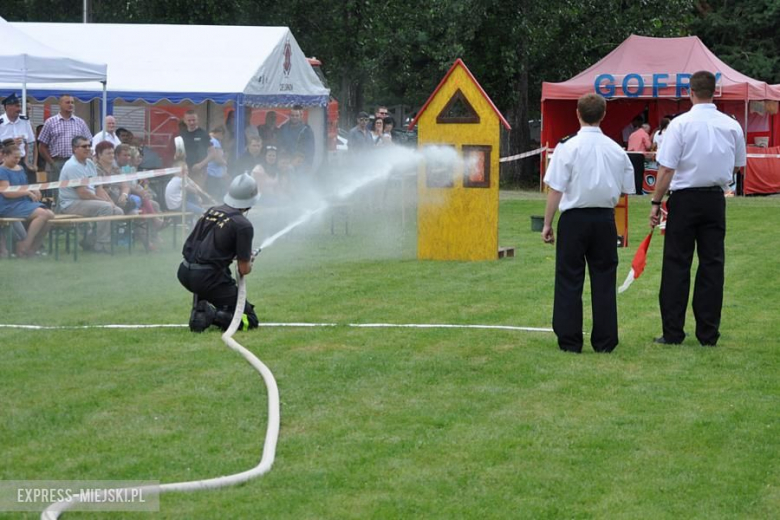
<point x="459" y="64"/>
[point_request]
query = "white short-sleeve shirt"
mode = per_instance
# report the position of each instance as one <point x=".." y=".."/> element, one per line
<point x="173" y="193"/>
<point x="703" y="146"/>
<point x="105" y="136"/>
<point x="20" y="127"/>
<point x="658" y="138"/>
<point x="591" y="170"/>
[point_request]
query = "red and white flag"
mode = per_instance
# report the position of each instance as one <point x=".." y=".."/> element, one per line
<point x="638" y="264"/>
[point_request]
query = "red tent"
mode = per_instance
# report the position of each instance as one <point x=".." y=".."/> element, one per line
<point x="649" y="76"/>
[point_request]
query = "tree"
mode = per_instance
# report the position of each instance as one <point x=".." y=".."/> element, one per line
<point x="743" y="34"/>
<point x="396" y="52"/>
<point x="530" y="42"/>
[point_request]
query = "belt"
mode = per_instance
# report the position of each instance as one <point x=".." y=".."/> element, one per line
<point x="196" y="267"/>
<point x="700" y="189"/>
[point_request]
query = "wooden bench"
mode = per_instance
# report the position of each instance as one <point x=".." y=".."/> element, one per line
<point x="7" y="222"/>
<point x="69" y="225"/>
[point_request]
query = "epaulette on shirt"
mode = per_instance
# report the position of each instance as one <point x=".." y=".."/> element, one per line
<point x="2" y="120"/>
<point x="567" y="138"/>
<point x="24" y="118"/>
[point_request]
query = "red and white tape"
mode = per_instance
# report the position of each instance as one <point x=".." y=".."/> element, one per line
<point x="94" y="181"/>
<point x="523" y="155"/>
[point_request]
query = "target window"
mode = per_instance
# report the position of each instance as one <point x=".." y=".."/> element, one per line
<point x="476" y="171"/>
<point x="439" y="170"/>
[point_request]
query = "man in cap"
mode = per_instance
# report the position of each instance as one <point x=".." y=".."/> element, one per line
<point x="220" y="235"/>
<point x="14" y="125"/>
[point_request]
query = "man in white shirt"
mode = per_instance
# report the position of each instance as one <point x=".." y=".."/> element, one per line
<point x="14" y="125"/>
<point x="586" y="177"/>
<point x="702" y="150"/>
<point x="195" y="195"/>
<point x="107" y="134"/>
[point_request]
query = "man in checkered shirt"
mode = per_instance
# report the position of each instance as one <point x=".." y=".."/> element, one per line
<point x="54" y="143"/>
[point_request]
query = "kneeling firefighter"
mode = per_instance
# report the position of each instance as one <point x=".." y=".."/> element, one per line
<point x="220" y="235"/>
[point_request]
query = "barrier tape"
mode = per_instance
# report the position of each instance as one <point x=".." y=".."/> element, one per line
<point x="94" y="181"/>
<point x="55" y="510"/>
<point x="523" y="155"/>
<point x="543" y="148"/>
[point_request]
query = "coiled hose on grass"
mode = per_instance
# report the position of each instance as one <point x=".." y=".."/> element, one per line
<point x="272" y="432"/>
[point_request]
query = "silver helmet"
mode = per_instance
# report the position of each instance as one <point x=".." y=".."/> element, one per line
<point x="243" y="193"/>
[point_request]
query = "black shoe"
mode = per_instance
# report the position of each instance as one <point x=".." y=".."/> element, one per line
<point x="663" y="341"/>
<point x="202" y="316"/>
<point x="710" y="342"/>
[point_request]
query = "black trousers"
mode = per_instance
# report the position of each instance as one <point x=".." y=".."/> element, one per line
<point x="697" y="220"/>
<point x="638" y="162"/>
<point x="216" y="286"/>
<point x="586" y="236"/>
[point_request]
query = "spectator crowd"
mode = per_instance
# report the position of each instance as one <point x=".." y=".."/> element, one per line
<point x="280" y="158"/>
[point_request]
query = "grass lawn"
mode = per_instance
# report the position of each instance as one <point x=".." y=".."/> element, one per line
<point x="400" y="423"/>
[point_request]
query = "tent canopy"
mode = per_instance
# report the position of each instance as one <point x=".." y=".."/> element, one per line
<point x="263" y="65"/>
<point x="23" y="59"/>
<point x="649" y="77"/>
<point x="663" y="62"/>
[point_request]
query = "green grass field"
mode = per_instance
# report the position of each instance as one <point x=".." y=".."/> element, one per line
<point x="400" y="423"/>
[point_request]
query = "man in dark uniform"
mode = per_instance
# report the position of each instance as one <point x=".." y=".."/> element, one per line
<point x="701" y="151"/>
<point x="587" y="174"/>
<point x="221" y="234"/>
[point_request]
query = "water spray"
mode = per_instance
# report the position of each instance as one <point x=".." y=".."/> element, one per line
<point x="405" y="159"/>
<point x="305" y="217"/>
<point x="392" y="159"/>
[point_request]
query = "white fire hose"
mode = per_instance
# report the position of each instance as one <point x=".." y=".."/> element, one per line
<point x="271" y="436"/>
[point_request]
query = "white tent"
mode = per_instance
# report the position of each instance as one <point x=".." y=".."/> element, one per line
<point x="249" y="66"/>
<point x="188" y="62"/>
<point x="25" y="60"/>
